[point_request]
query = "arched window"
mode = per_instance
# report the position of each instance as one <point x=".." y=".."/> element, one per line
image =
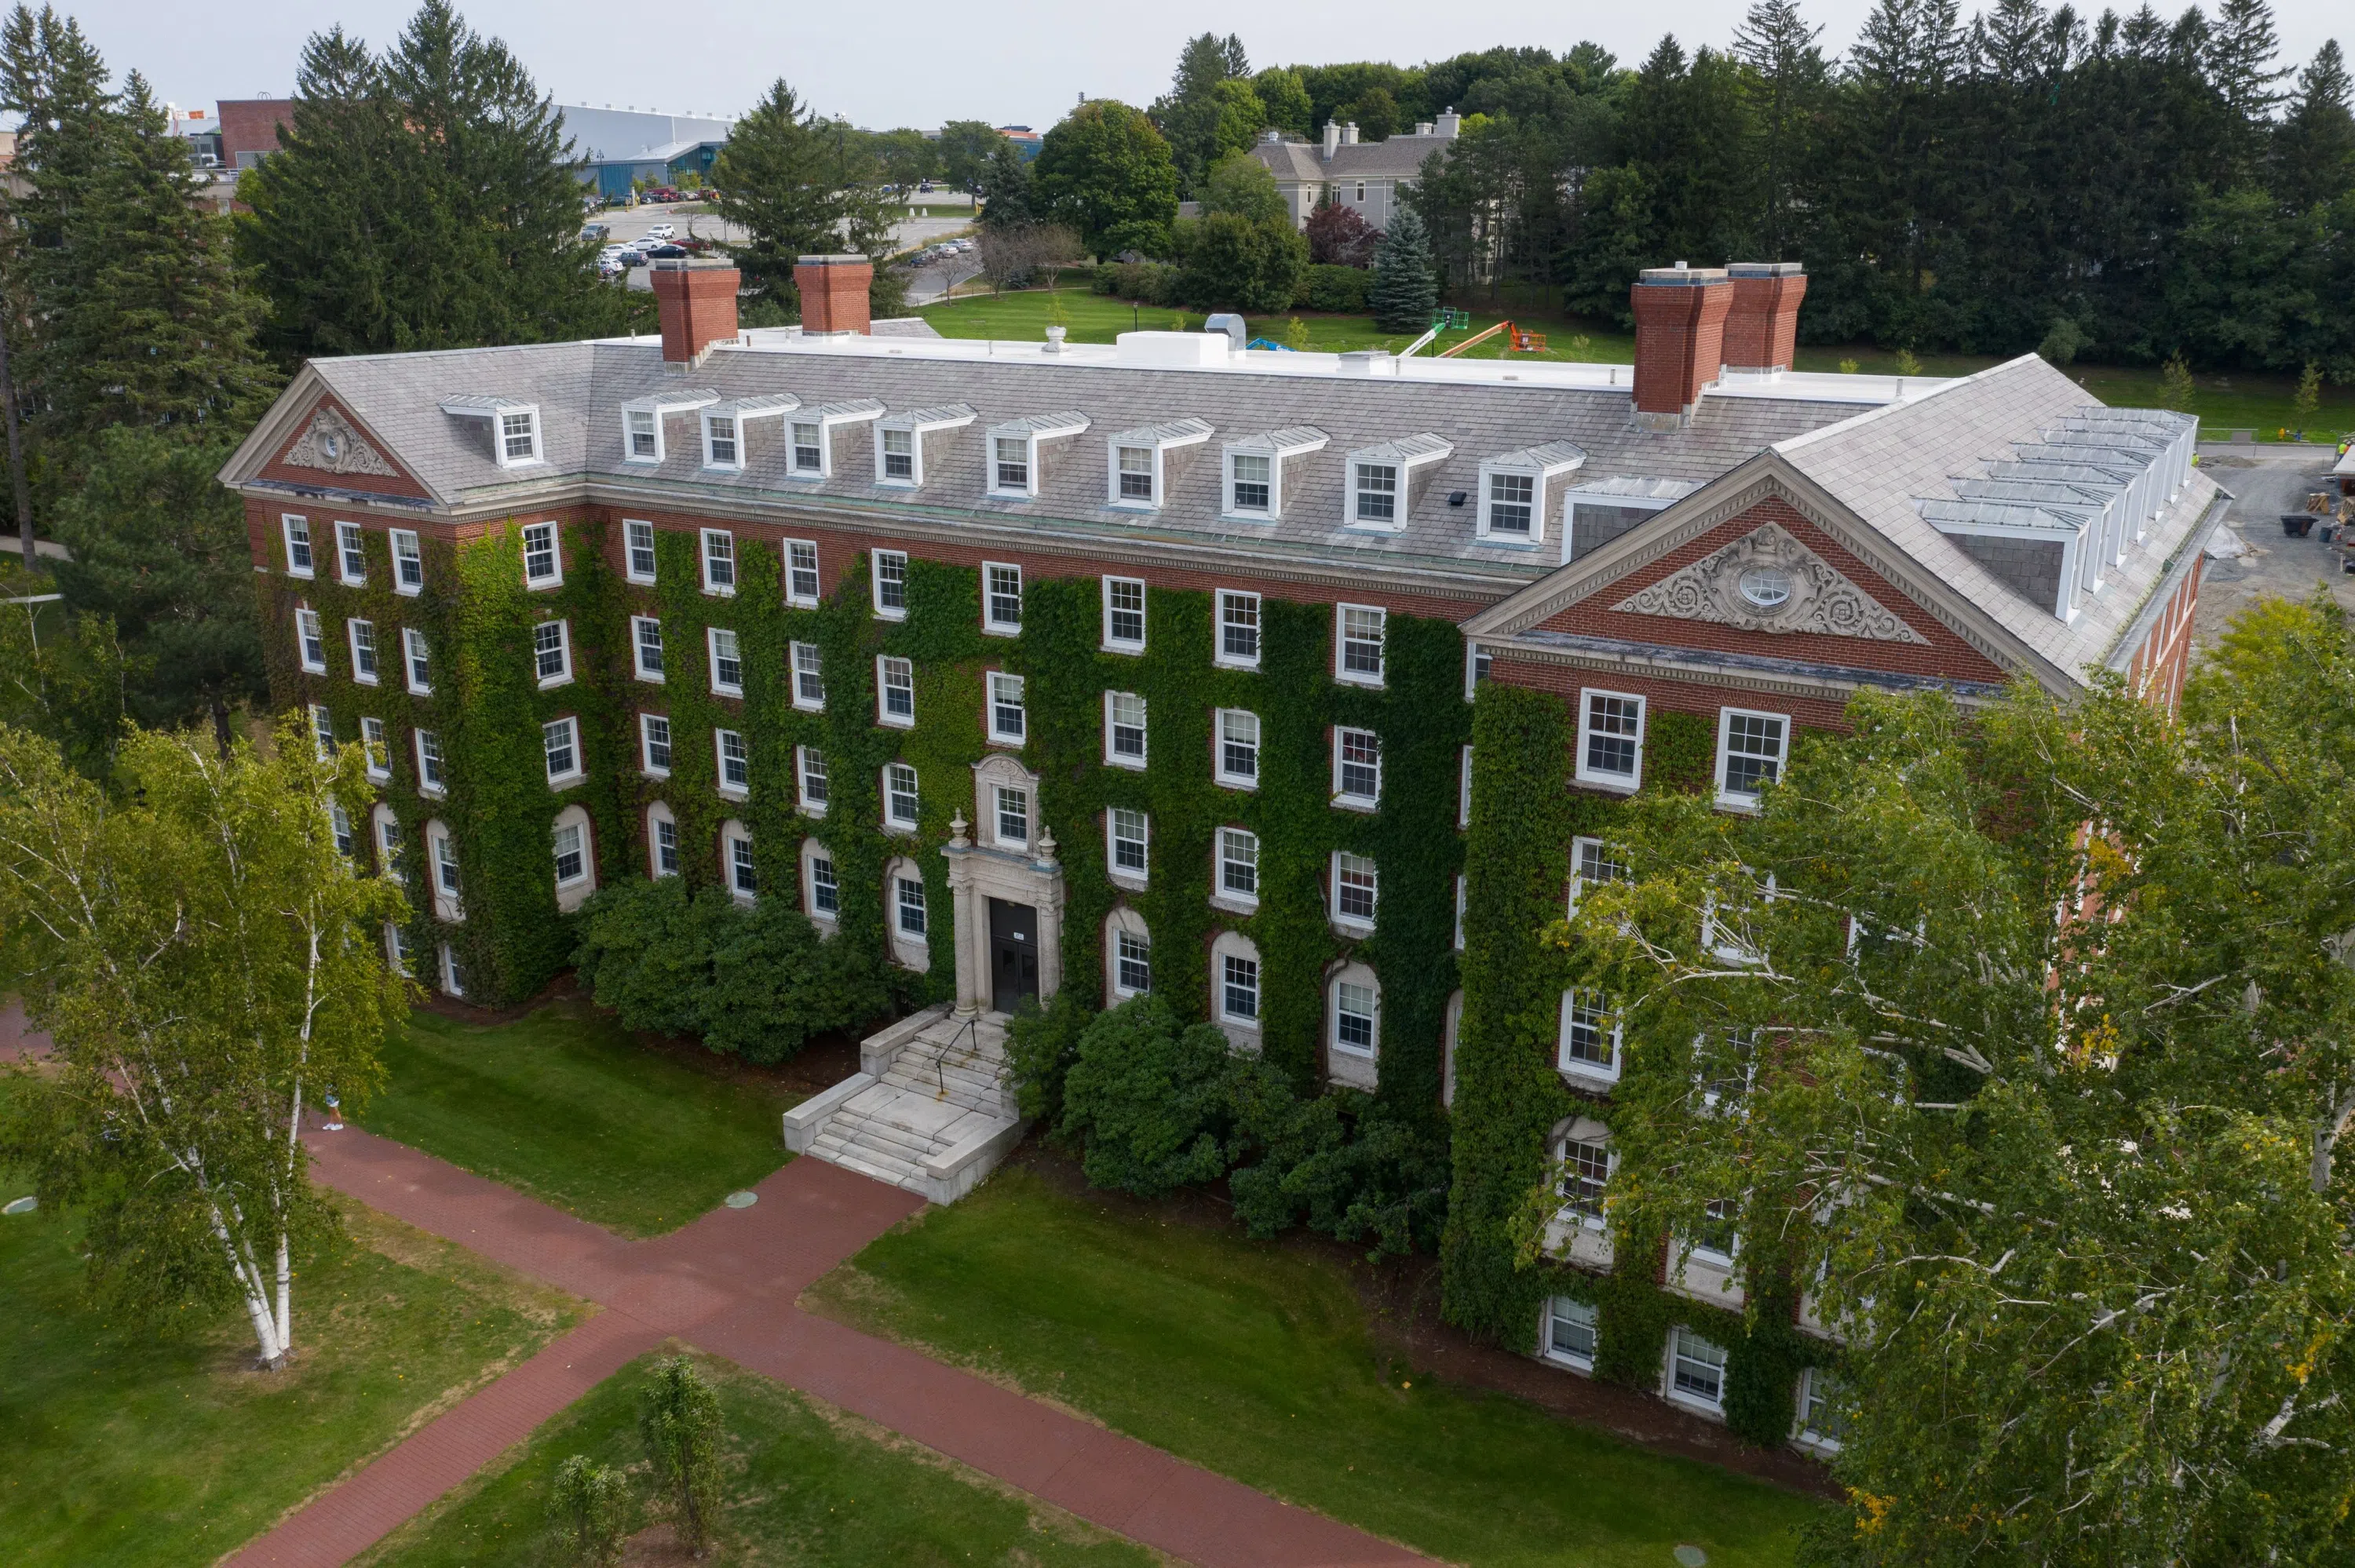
<point x="1005" y="804"/>
<point x="1579" y="1232"/>
<point x="442" y="874"/>
<point x="1128" y="955"/>
<point x="908" y="914"/>
<point x="1353" y="1029"/>
<point x="1453" y="1035"/>
<point x="1236" y="999"/>
<point x="736" y="860"/>
<point x="662" y="841"/>
<point x="576" y="864"/>
<point x="821" y="889"/>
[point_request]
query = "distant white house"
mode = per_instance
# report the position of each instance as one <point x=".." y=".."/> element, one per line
<point x="1367" y="175"/>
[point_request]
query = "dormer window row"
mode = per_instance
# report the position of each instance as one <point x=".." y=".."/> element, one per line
<point x="514" y="426"/>
<point x="1139" y="463"/>
<point x="727" y="426"/>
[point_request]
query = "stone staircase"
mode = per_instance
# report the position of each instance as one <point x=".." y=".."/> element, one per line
<point x="930" y="1108"/>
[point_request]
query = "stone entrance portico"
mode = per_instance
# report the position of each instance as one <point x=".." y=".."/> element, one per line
<point x="1008" y="855"/>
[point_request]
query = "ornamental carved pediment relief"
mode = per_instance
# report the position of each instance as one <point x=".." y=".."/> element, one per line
<point x="330" y="443"/>
<point x="1768" y="581"/>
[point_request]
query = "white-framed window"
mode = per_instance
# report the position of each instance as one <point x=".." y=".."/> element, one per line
<point x="903" y="805"/>
<point x="1123" y="729"/>
<point x="1357" y="768"/>
<point x="1357" y="887"/>
<point x="407" y="562"/>
<point x="1374" y="493"/>
<point x="809" y="768"/>
<point x="543" y="562"/>
<point x="898" y="449"/>
<point x="1238" y="868"/>
<point x="1696" y="1370"/>
<point x="1750" y="750"/>
<point x="1463" y="901"/>
<point x="1238" y="982"/>
<point x="1237" y="759"/>
<point x="1586" y="1175"/>
<point x="726" y="662"/>
<point x="571" y="855"/>
<point x="1464" y="789"/>
<point x="1357" y="632"/>
<point x="1239" y="629"/>
<point x="390" y="861"/>
<point x="908" y="907"/>
<point x="642" y="434"/>
<point x="807" y="458"/>
<point x="890" y="584"/>
<point x="809" y="678"/>
<point x="1718" y="1243"/>
<point x="639" y="560"/>
<point x="429" y="762"/>
<point x="1591" y="864"/>
<point x="560" y="740"/>
<point x="1611" y="739"/>
<point x="736" y="850"/>
<point x="1361" y="194"/>
<point x="1250" y="482"/>
<point x="1132" y="960"/>
<point x="311" y="640"/>
<point x="895" y="691"/>
<point x="551" y="653"/>
<point x="1571" y="1331"/>
<point x="375" y="748"/>
<point x="647" y="647"/>
<point x="322" y="731"/>
<point x="1133" y="476"/>
<point x="1009" y="721"/>
<point x="662" y="841"/>
<point x="802" y="585"/>
<point x="445" y="864"/>
<point x="416" y="661"/>
<point x="1508" y="508"/>
<point x="1128" y="843"/>
<point x="722" y="442"/>
<point x="1822" y="1421"/>
<point x="654" y="744"/>
<point x="1009" y="468"/>
<point x="1124" y="615"/>
<point x="735" y="762"/>
<point x="1589" y="1043"/>
<point x="351" y="557"/>
<point x="1001" y="599"/>
<point x="1012" y="804"/>
<point x="361" y="635"/>
<point x="1477" y="664"/>
<point x="719" y="561"/>
<point x="453" y="973"/>
<point x="298" y="530"/>
<point x="518" y="437"/>
<point x="1357" y="1010"/>
<point x="821" y="890"/>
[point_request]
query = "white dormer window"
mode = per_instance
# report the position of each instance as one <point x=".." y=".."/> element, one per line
<point x="543" y="563"/>
<point x="1013" y="460"/>
<point x="642" y="422"/>
<point x="515" y="426"/>
<point x="719" y="447"/>
<point x="1381" y="482"/>
<point x="811" y="436"/>
<point x="1137" y="475"/>
<point x="644" y="428"/>
<point x="725" y="427"/>
<point x="1252" y="488"/>
<point x="899" y="444"/>
<point x="809" y="448"/>
<point x="1014" y="452"/>
<point x="1513" y="492"/>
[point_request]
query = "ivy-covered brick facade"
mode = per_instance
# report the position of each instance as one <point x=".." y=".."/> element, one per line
<point x="1283" y="658"/>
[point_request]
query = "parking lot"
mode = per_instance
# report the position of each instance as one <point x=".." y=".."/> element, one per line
<point x="691" y="220"/>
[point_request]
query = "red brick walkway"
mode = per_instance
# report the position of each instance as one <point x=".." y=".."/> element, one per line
<point x="727" y="1284"/>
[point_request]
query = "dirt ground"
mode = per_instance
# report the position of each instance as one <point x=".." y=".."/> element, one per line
<point x="2273" y="481"/>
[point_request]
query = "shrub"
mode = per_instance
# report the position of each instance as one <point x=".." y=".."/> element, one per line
<point x="644" y="953"/>
<point x="680" y="1423"/>
<point x="1339" y="236"/>
<point x="590" y="1511"/>
<point x="1148" y="1099"/>
<point x="1040" y="1046"/>
<point x="1146" y="282"/>
<point x="1338" y="289"/>
<point x="1252" y="264"/>
<point x="1330" y="1160"/>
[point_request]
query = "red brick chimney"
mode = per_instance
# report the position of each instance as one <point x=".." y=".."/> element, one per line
<point x="834" y="291"/>
<point x="1680" y="339"/>
<point x="696" y="300"/>
<point x="1763" y="329"/>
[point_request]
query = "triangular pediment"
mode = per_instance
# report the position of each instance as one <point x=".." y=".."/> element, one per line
<point x="330" y="443"/>
<point x="1768" y="581"/>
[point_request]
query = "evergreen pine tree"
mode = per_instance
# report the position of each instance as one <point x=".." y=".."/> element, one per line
<point x="2239" y="61"/>
<point x="2313" y="149"/>
<point x="798" y="186"/>
<point x="1785" y="74"/>
<point x="1006" y="190"/>
<point x="1404" y="294"/>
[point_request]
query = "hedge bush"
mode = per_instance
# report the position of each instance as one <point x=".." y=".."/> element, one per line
<point x="1146" y="283"/>
<point x="1341" y="290"/>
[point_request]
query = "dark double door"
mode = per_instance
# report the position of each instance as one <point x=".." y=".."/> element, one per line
<point x="1013" y="954"/>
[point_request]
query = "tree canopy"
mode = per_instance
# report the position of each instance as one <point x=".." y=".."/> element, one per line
<point x="798" y="185"/>
<point x="1106" y="172"/>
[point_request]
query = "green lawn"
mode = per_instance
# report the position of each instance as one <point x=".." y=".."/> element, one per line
<point x="1256" y="1360"/>
<point x="120" y="1446"/>
<point x="807" y="1485"/>
<point x="565" y="1105"/>
<point x="2224" y="401"/>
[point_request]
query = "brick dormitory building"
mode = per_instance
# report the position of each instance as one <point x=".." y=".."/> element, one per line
<point x="1033" y="667"/>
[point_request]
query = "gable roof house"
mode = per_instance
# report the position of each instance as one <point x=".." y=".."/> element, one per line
<point x="1369" y="177"/>
<point x="1028" y="666"/>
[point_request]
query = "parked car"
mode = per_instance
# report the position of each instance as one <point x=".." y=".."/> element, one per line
<point x="667" y="252"/>
<point x="661" y="231"/>
<point x="664" y="193"/>
<point x="634" y="257"/>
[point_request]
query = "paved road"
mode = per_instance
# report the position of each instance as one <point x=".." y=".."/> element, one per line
<point x="2275" y="479"/>
<point x="624" y="224"/>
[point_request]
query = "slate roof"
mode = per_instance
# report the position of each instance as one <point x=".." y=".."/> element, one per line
<point x="1399" y="158"/>
<point x="580" y="387"/>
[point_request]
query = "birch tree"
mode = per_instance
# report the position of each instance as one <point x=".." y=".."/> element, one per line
<point x="2018" y="1044"/>
<point x="209" y="963"/>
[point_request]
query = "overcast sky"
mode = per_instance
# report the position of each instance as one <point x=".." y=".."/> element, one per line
<point x="919" y="62"/>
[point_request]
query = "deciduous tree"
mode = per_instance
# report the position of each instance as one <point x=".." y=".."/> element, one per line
<point x="1106" y="172"/>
